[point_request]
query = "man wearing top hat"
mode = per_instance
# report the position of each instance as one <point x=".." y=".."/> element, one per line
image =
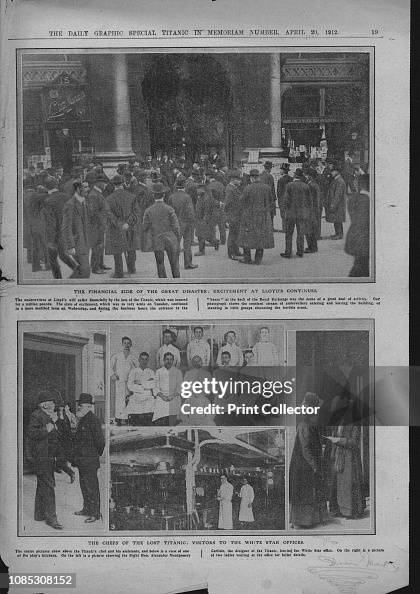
<point x="233" y="212"/>
<point x="255" y="228"/>
<point x="281" y="190"/>
<point x="121" y="237"/>
<point x="43" y="448"/>
<point x="161" y="224"/>
<point x="298" y="208"/>
<point x="268" y="179"/>
<point x="89" y="444"/>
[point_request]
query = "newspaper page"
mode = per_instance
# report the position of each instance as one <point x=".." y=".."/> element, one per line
<point x="204" y="296"/>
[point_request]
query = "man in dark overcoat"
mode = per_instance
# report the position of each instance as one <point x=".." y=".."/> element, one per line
<point x="205" y="219"/>
<point x="182" y="204"/>
<point x="95" y="202"/>
<point x="298" y="208"/>
<point x="42" y="450"/>
<point x="218" y="190"/>
<point x="54" y="208"/>
<point x="315" y="211"/>
<point x="336" y="200"/>
<point x="267" y="178"/>
<point x="283" y="180"/>
<point x="144" y="199"/>
<point x="121" y="237"/>
<point x="161" y="224"/>
<point x="358" y="235"/>
<point x="76" y="231"/>
<point x="233" y="213"/>
<point x="255" y="228"/>
<point x="89" y="444"/>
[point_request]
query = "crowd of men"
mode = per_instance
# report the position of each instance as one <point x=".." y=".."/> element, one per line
<point x="149" y="393"/>
<point x="165" y="206"/>
<point x="57" y="440"/>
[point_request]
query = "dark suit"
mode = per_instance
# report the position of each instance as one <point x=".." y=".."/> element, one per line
<point x="357" y="239"/>
<point x="37" y="229"/>
<point x="97" y="219"/>
<point x="89" y="444"/>
<point x="256" y="228"/>
<point x="42" y="450"/>
<point x="233" y="216"/>
<point x="218" y="191"/>
<point x="314" y="222"/>
<point x="182" y="204"/>
<point x="336" y="199"/>
<point x="122" y="208"/>
<point x="281" y="191"/>
<point x="297" y="211"/>
<point x="75" y="231"/>
<point x="54" y="208"/>
<point x="162" y="223"/>
<point x="267" y="179"/>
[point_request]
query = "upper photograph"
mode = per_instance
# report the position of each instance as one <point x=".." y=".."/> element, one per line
<point x="202" y="166"/>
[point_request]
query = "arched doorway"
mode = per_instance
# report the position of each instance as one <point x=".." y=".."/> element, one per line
<point x="190" y="103"/>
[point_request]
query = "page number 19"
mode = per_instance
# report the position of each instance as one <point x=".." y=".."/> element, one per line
<point x="374" y="31"/>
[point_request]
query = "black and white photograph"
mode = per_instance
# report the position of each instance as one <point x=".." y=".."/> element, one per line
<point x="198" y="166"/>
<point x="330" y="466"/>
<point x="62" y="482"/>
<point x="197" y="479"/>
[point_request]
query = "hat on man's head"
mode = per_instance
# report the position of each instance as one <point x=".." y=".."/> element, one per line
<point x="312" y="399"/>
<point x="137" y="172"/>
<point x="285" y="167"/>
<point x="254" y="173"/>
<point x="180" y="181"/>
<point x="91" y="177"/>
<point x="51" y="183"/>
<point x="268" y="165"/>
<point x="298" y="173"/>
<point x="196" y="173"/>
<point x="117" y="180"/>
<point x="85" y="398"/>
<point x="45" y="396"/>
<point x="158" y="188"/>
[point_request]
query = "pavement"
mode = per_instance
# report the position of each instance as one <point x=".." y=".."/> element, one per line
<point x="68" y="499"/>
<point x="339" y="525"/>
<point x="329" y="263"/>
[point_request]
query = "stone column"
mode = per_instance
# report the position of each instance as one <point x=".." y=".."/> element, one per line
<point x="122" y="106"/>
<point x="275" y="100"/>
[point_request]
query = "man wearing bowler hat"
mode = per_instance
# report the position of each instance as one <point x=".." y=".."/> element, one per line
<point x="89" y="444"/>
<point x="162" y="226"/>
<point x="43" y="448"/>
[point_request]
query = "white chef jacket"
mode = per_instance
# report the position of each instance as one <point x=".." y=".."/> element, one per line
<point x="168" y="381"/>
<point x="168" y="348"/>
<point x="200" y="348"/>
<point x="236" y="355"/>
<point x="142" y="400"/>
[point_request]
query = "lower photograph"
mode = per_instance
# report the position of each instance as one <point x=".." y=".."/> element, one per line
<point x="62" y="434"/>
<point x="190" y="479"/>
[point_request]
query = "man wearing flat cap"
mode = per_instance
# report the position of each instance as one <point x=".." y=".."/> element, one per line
<point x="43" y="448"/>
<point x="121" y="237"/>
<point x="89" y="444"/>
<point x="256" y="228"/>
<point x="267" y="178"/>
<point x="162" y="226"/>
